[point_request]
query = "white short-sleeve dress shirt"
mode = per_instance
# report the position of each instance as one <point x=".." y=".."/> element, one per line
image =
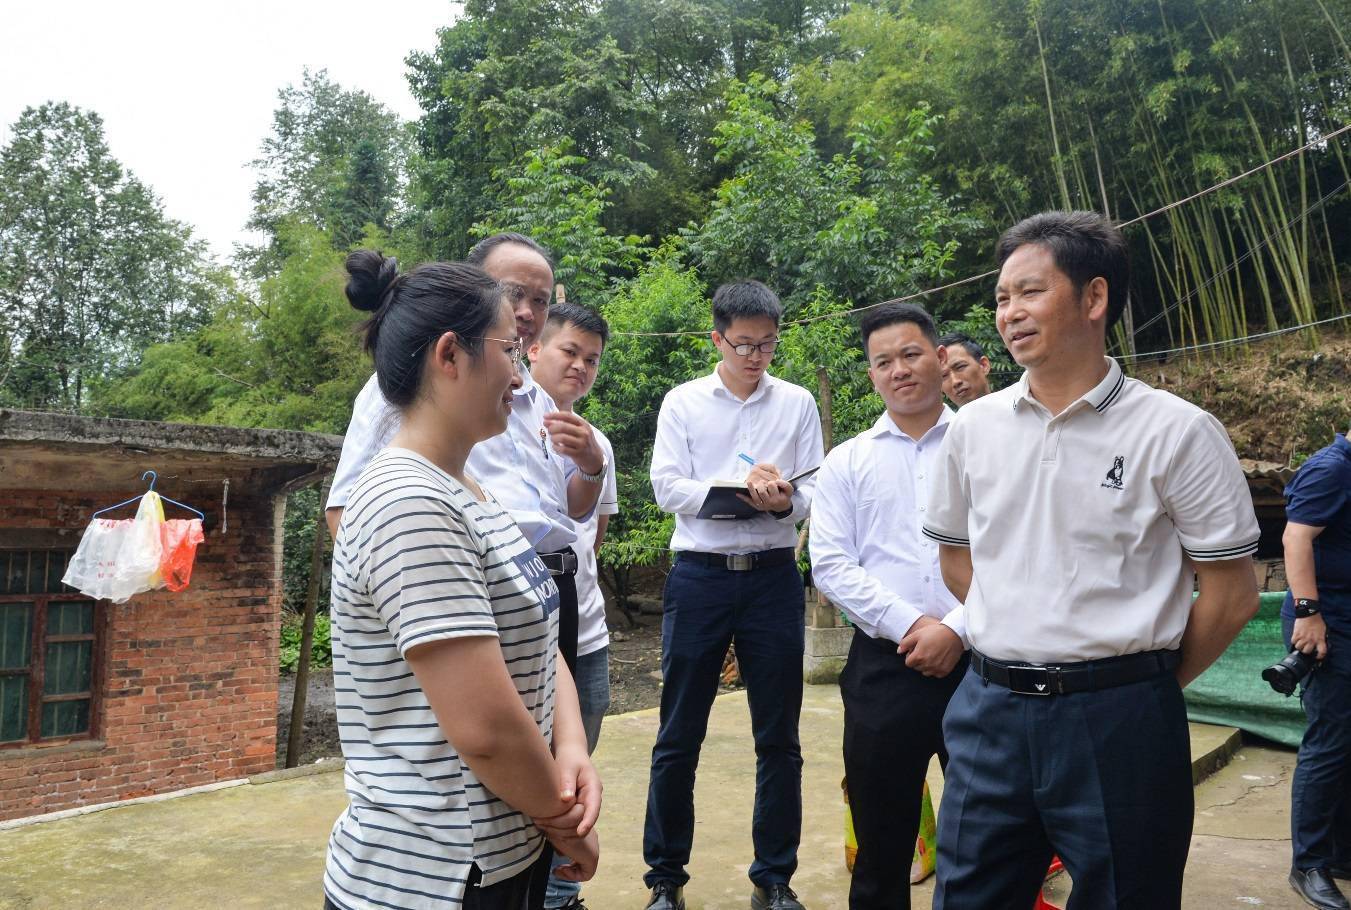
<point x="701" y="429"/>
<point x="592" y="633"/>
<point x="869" y="555"/>
<point x="525" y="475"/>
<point x="1082" y="526"/>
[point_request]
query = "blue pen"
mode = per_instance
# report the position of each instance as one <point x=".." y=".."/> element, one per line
<point x="746" y="458"/>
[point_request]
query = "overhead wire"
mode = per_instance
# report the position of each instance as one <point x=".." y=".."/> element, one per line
<point x="1227" y="182"/>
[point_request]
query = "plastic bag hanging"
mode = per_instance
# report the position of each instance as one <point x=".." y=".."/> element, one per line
<point x="180" y="538"/>
<point x="120" y="557"/>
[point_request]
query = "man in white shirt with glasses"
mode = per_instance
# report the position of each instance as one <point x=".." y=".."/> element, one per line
<point x="733" y="580"/>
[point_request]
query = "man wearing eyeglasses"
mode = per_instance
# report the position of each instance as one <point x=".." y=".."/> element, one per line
<point x="546" y="469"/>
<point x="733" y="581"/>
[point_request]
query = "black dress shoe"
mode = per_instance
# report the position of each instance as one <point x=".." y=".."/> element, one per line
<point x="1318" y="888"/>
<point x="775" y="897"/>
<point x="666" y="896"/>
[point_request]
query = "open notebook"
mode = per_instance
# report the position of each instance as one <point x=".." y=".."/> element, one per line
<point x="722" y="502"/>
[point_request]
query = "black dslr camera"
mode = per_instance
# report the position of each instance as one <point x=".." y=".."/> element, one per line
<point x="1290" y="672"/>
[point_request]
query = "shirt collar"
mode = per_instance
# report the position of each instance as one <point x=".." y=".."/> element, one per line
<point x="528" y="384"/>
<point x="886" y="426"/>
<point x="762" y="389"/>
<point x="1101" y="397"/>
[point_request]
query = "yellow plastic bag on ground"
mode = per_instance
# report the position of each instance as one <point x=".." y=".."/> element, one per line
<point x="922" y="863"/>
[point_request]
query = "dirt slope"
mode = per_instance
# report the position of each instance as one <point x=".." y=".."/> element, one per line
<point x="1281" y="399"/>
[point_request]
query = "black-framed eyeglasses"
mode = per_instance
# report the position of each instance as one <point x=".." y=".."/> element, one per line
<point x="764" y="347"/>
<point x="516" y="346"/>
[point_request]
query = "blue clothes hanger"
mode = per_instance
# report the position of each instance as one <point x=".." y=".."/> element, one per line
<point x="153" y="477"/>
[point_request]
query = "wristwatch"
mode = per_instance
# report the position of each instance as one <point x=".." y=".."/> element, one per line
<point x="1305" y="607"/>
<point x="599" y="476"/>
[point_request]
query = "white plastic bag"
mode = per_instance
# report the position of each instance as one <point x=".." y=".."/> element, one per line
<point x="120" y="557"/>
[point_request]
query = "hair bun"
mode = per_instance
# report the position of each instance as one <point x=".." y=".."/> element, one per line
<point x="372" y="274"/>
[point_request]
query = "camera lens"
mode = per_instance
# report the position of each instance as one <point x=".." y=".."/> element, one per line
<point x="1286" y="675"/>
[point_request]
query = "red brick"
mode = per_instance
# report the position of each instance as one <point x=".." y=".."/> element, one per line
<point x="190" y="688"/>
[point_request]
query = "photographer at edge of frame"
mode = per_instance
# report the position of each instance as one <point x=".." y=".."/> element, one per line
<point x="1316" y="620"/>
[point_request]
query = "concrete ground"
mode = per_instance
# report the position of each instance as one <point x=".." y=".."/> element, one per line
<point x="262" y="845"/>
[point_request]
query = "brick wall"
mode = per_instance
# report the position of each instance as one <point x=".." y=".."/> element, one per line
<point x="189" y="679"/>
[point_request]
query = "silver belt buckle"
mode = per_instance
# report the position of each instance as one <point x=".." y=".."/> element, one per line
<point x="1035" y="680"/>
<point x="740" y="562"/>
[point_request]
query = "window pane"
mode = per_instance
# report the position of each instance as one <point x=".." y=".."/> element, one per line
<point x="65" y="718"/>
<point x="74" y="618"/>
<point x="13" y="708"/>
<point x="16" y="633"/>
<point x="16" y="576"/>
<point x="56" y="568"/>
<point x="67" y="667"/>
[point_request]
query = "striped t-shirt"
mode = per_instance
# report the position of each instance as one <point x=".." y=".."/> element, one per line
<point x="419" y="559"/>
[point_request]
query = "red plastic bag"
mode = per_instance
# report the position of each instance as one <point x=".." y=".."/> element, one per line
<point x="180" y="538"/>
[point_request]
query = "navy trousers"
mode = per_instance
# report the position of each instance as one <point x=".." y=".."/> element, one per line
<point x="893" y="727"/>
<point x="1102" y="779"/>
<point x="705" y="609"/>
<point x="1320" y="795"/>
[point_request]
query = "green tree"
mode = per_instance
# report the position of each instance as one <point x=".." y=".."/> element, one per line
<point x="547" y="197"/>
<point x="91" y="270"/>
<point x="336" y="158"/>
<point x="636" y="372"/>
<point x="860" y="227"/>
<point x="288" y="359"/>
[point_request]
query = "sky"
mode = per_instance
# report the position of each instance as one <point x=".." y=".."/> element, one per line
<point x="187" y="90"/>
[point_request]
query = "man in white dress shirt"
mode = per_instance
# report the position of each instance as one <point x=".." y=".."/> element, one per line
<point x="546" y="469"/>
<point x="871" y="559"/>
<point x="733" y="580"/>
<point x="564" y="361"/>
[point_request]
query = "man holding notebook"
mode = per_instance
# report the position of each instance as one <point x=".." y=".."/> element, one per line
<point x="733" y="580"/>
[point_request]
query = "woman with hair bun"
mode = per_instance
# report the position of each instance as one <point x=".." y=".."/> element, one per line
<point x="460" y="729"/>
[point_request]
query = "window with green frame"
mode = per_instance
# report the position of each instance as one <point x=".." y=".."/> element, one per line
<point x="49" y="651"/>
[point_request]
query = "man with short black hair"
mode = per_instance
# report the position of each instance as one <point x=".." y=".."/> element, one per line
<point x="871" y="560"/>
<point x="1317" y="620"/>
<point x="564" y="360"/>
<point x="966" y="372"/>
<point x="1076" y="513"/>
<point x="733" y="581"/>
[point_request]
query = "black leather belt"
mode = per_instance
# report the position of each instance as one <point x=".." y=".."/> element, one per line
<point x="741" y="562"/>
<point x="563" y="562"/>
<point x="1084" y="676"/>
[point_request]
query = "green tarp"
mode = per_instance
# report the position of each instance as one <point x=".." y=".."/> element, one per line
<point x="1233" y="693"/>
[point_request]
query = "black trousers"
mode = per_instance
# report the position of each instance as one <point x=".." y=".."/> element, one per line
<point x="893" y="727"/>
<point x="567" y="620"/>
<point x="1320" y="812"/>
<point x="1102" y="778"/>
<point x="705" y="609"/>
<point x="523" y="891"/>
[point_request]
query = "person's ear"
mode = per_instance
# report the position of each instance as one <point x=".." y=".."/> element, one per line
<point x="717" y="338"/>
<point x="942" y="355"/>
<point x="533" y="351"/>
<point x="1095" y="299"/>
<point x="984" y="364"/>
<point x="447" y="355"/>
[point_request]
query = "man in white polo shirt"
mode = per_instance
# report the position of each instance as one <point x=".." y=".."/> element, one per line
<point x="870" y="559"/>
<point x="1077" y="510"/>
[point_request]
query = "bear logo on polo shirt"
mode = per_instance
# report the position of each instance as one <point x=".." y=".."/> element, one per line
<point x="1114" y="476"/>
